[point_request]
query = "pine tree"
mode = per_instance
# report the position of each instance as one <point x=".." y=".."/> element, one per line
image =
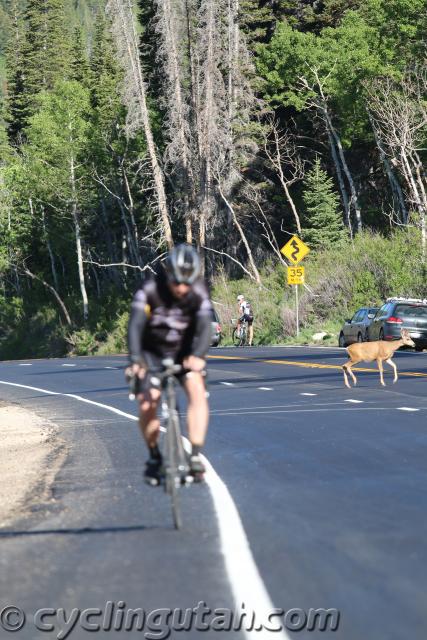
<point x="15" y="110"/>
<point x="80" y="70"/>
<point x="106" y="76"/>
<point x="47" y="48"/>
<point x="323" y="226"/>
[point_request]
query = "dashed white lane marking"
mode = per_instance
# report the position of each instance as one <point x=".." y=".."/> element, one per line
<point x="111" y="367"/>
<point x="245" y="581"/>
<point x="227" y="384"/>
<point x="68" y="365"/>
<point x="29" y="364"/>
<point x="308" y="394"/>
<point x="243" y="412"/>
<point x="265" y="388"/>
<point x="407" y="409"/>
<point x="354" y="401"/>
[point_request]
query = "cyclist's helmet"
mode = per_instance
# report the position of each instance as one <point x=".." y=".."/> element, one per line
<point x="240" y="297"/>
<point x="182" y="265"/>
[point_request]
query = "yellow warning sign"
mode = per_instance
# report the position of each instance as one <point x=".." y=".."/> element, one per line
<point x="295" y="250"/>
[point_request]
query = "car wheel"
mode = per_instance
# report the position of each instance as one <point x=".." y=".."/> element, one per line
<point x="381" y="335"/>
<point x="359" y="337"/>
<point x="341" y="341"/>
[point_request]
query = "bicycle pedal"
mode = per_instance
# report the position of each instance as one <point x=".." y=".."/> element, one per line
<point x="187" y="480"/>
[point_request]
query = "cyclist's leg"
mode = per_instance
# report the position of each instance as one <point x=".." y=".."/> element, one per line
<point x="198" y="409"/>
<point x="197" y="416"/>
<point x="251" y="329"/>
<point x="149" y="423"/>
<point x="148" y="400"/>
<point x="150" y="429"/>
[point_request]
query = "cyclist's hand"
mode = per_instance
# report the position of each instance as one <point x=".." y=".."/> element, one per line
<point x="194" y="363"/>
<point x="134" y="370"/>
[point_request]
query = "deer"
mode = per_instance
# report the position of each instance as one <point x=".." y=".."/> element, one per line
<point x="378" y="350"/>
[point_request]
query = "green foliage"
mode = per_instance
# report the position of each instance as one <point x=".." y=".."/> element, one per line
<point x="323" y="226"/>
<point x="30" y="335"/>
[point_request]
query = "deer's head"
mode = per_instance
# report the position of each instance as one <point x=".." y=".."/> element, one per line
<point x="407" y="338"/>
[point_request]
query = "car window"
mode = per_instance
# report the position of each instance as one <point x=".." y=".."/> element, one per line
<point x="215" y="317"/>
<point x="373" y="310"/>
<point x="383" y="311"/>
<point x="410" y="311"/>
<point x="354" y="318"/>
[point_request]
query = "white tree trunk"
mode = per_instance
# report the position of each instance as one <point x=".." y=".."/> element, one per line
<point x="75" y="216"/>
<point x="394" y="183"/>
<point x="242" y="235"/>
<point x="353" y="200"/>
<point x="135" y="97"/>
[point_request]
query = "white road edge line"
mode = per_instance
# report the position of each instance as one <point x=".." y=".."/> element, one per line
<point x="243" y="575"/>
<point x="68" y="365"/>
<point x="355" y="401"/>
<point x="308" y="394"/>
<point x="227" y="384"/>
<point x="407" y="409"/>
<point x="265" y="388"/>
<point x="29" y="364"/>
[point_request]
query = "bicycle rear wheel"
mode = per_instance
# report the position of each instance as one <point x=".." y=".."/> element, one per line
<point x="239" y="337"/>
<point x="244" y="337"/>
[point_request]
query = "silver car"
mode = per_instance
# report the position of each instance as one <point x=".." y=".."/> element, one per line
<point x="356" y="329"/>
<point x="216" y="329"/>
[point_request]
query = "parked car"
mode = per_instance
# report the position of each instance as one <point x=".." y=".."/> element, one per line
<point x="216" y="329"/>
<point x="356" y="329"/>
<point x="401" y="313"/>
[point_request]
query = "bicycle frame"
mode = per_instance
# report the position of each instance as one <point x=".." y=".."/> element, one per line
<point x="174" y="458"/>
<point x="240" y="334"/>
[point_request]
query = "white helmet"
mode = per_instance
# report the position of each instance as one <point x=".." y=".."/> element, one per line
<point x="240" y="297"/>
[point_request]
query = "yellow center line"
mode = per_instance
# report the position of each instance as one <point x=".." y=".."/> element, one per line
<point x="313" y="365"/>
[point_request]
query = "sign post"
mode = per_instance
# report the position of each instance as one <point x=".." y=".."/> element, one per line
<point x="295" y="250"/>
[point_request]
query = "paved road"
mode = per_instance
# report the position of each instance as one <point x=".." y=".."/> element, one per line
<point x="329" y="485"/>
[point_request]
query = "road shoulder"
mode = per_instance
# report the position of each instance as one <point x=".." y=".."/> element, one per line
<point x="31" y="453"/>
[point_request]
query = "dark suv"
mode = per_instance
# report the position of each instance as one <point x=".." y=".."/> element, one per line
<point x="397" y="314"/>
<point x="356" y="329"/>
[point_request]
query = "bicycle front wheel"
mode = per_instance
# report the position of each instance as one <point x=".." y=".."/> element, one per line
<point x="172" y="472"/>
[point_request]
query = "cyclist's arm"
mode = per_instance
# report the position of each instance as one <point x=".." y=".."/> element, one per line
<point x="202" y="335"/>
<point x="137" y="322"/>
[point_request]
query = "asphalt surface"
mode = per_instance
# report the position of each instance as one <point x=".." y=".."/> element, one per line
<point x="329" y="483"/>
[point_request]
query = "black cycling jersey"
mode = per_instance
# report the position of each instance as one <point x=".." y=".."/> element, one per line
<point x="166" y="326"/>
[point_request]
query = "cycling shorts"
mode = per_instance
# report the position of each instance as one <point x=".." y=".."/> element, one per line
<point x="247" y="318"/>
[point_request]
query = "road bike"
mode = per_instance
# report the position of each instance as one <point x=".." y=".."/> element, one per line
<point x="240" y="334"/>
<point x="175" y="462"/>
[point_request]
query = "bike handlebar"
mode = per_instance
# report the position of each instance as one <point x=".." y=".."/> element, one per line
<point x="169" y="368"/>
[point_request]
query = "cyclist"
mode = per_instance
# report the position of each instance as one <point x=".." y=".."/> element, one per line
<point x="171" y="318"/>
<point x="245" y="315"/>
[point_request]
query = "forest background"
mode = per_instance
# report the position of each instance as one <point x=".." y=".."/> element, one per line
<point x="232" y="124"/>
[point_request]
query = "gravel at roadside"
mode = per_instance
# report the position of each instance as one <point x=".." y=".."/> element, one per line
<point x="30" y="455"/>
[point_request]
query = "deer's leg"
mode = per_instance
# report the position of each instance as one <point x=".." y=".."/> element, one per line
<point x="391" y="363"/>
<point x="344" y="370"/>
<point x="347" y="369"/>
<point x="380" y="368"/>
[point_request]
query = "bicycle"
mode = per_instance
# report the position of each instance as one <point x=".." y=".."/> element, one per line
<point x="240" y="335"/>
<point x="176" y="468"/>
